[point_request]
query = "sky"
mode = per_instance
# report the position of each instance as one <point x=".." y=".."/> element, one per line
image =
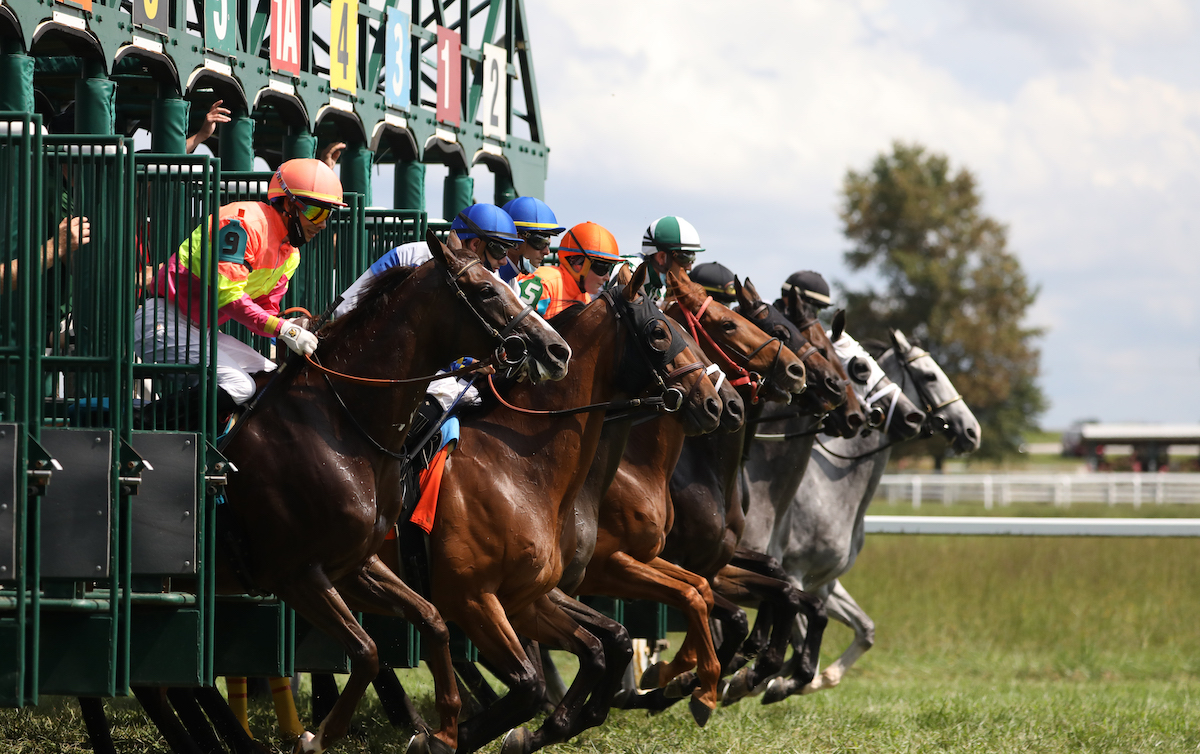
<point x="1079" y="118"/>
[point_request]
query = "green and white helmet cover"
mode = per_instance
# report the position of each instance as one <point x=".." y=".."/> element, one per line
<point x="670" y="233"/>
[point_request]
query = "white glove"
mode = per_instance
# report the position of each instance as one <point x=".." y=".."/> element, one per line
<point x="298" y="339"/>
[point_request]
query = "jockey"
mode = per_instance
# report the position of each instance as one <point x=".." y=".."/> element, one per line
<point x="536" y="225"/>
<point x="717" y="280"/>
<point x="809" y="285"/>
<point x="257" y="246"/>
<point x="668" y="239"/>
<point x="585" y="260"/>
<point x="486" y="230"/>
<point x="499" y="234"/>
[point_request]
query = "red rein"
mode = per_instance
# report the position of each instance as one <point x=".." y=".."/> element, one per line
<point x="697" y="329"/>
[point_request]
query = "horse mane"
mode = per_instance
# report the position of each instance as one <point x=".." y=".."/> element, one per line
<point x="566" y="316"/>
<point x="373" y="298"/>
<point x="877" y="348"/>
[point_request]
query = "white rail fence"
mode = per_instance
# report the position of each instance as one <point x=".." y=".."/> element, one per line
<point x="1034" y="526"/>
<point x="1111" y="488"/>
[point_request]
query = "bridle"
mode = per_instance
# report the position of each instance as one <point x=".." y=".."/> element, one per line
<point x="927" y="428"/>
<point x="744" y="375"/>
<point x="669" y="399"/>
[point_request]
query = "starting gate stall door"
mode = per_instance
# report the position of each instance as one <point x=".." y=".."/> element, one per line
<point x="20" y="244"/>
<point x="84" y="407"/>
<point x="172" y="552"/>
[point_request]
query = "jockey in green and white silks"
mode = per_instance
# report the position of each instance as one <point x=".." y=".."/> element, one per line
<point x="667" y="239"/>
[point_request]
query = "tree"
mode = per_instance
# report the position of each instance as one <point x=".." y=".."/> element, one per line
<point x="947" y="279"/>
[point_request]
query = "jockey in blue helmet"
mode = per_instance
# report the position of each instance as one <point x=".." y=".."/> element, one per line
<point x="492" y="231"/>
<point x="536" y="225"/>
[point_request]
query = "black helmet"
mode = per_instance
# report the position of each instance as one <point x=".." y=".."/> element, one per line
<point x="811" y="287"/>
<point x="717" y="279"/>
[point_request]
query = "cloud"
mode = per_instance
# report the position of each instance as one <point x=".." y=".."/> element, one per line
<point x="1079" y="118"/>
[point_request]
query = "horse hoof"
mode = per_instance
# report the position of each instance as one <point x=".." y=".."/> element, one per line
<point x="776" y="691"/>
<point x="701" y="712"/>
<point x="518" y="741"/>
<point x="423" y="743"/>
<point x="649" y="679"/>
<point x="735" y="689"/>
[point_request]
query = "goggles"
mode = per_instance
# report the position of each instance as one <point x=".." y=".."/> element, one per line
<point x="536" y="241"/>
<point x="684" y="257"/>
<point x="315" y="213"/>
<point x="495" y="249"/>
<point x="599" y="266"/>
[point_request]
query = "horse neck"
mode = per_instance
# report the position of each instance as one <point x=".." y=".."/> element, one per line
<point x="407" y="338"/>
<point x="784" y="463"/>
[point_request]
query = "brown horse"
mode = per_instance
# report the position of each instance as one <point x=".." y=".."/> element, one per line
<point x="321" y="458"/>
<point x="496" y="549"/>
<point x="636" y="512"/>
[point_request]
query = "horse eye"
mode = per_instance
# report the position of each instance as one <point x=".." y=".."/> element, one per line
<point x="931" y="378"/>
<point x="729" y="326"/>
<point x="783" y="334"/>
<point x="487" y="291"/>
<point x="659" y="333"/>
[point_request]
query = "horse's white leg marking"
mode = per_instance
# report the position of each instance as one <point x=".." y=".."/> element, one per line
<point x="842" y="607"/>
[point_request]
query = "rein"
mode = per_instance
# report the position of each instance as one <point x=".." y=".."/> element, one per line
<point x="744" y="376"/>
<point x="470" y="369"/>
<point x="880" y="449"/>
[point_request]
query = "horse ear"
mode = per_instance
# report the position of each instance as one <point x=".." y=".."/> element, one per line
<point x="751" y="292"/>
<point x="839" y="325"/>
<point x="740" y="292"/>
<point x="624" y="275"/>
<point x="901" y="342"/>
<point x="436" y="247"/>
<point x="453" y="241"/>
<point x="792" y="305"/>
<point x="634" y="287"/>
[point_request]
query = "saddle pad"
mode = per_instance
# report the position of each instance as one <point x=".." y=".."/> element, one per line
<point x="431" y="484"/>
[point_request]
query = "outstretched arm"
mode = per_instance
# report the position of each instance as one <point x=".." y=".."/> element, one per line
<point x="216" y="114"/>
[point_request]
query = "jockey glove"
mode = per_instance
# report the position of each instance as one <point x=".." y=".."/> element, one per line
<point x="298" y="339"/>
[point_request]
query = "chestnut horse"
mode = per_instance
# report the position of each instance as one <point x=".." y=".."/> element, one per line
<point x="636" y="512"/>
<point x="319" y="461"/>
<point x="506" y="501"/>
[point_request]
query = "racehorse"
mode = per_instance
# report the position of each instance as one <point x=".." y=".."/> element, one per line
<point x="636" y="512"/>
<point x="819" y="537"/>
<point x="506" y="501"/>
<point x="320" y="459"/>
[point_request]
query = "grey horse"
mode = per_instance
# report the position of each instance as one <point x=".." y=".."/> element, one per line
<point x="818" y="536"/>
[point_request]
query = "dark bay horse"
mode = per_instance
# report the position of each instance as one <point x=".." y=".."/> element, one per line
<point x="319" y="460"/>
<point x="636" y="511"/>
<point x="506" y="501"/>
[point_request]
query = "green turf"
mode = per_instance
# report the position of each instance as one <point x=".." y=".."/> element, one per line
<point x="983" y="644"/>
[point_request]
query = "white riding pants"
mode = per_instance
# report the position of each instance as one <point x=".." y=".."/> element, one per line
<point x="161" y="335"/>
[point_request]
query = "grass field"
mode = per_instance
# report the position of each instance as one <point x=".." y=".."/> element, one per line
<point x="983" y="644"/>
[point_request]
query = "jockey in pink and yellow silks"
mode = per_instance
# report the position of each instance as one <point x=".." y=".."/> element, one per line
<point x="257" y="247"/>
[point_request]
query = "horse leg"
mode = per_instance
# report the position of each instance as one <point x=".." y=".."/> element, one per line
<point x="731" y="629"/>
<point x="623" y="576"/>
<point x="841" y="605"/>
<point x="548" y="624"/>
<point x="310" y="594"/>
<point x="496" y="640"/>
<point x="376" y="589"/>
<point x="618" y="651"/>
<point x="785" y="602"/>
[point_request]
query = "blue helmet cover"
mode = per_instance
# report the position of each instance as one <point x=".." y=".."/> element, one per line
<point x="532" y="215"/>
<point x="493" y="221"/>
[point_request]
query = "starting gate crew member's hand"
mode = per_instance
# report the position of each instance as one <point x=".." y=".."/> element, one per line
<point x="536" y="225"/>
<point x="585" y="260"/>
<point x="484" y="229"/>
<point x="216" y="114"/>
<point x="257" y="246"/>
<point x="668" y="239"/>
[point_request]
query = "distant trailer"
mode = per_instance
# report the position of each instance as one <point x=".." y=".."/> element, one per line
<point x="1150" y="444"/>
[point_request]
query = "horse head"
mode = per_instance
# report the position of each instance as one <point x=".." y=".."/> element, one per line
<point x="522" y="340"/>
<point x="849" y="417"/>
<point x="748" y="354"/>
<point x="924" y="382"/>
<point x="888" y="408"/>
<point x="826" y="390"/>
<point x="671" y="357"/>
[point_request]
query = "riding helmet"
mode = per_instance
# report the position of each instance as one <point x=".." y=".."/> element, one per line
<point x="487" y="220"/>
<point x="531" y="215"/>
<point x="672" y="234"/>
<point x="717" y="279"/>
<point x="308" y="180"/>
<point x="811" y="287"/>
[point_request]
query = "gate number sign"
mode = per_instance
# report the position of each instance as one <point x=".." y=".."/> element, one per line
<point x="220" y="26"/>
<point x="495" y="92"/>
<point x="343" y="50"/>
<point x="151" y="13"/>
<point x="397" y="89"/>
<point x="285" y="35"/>
<point x="449" y="76"/>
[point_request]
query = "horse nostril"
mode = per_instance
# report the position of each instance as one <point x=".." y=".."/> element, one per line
<point x="713" y="407"/>
<point x="796" y="371"/>
<point x="559" y="353"/>
<point x="971" y="432"/>
<point x="855" y="420"/>
<point x="914" y="419"/>
<point x="734" y="408"/>
<point x="833" y="385"/>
